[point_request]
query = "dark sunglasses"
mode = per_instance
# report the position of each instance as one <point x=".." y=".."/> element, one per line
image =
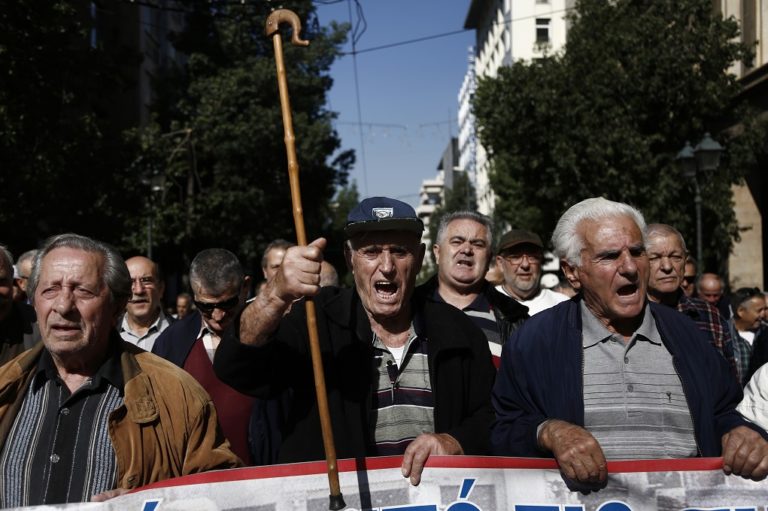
<point x="689" y="279"/>
<point x="226" y="305"/>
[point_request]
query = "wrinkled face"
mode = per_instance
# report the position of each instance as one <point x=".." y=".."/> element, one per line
<point x="6" y="288"/>
<point x="463" y="254"/>
<point x="73" y="305"/>
<point x="384" y="265"/>
<point x="182" y="306"/>
<point x="218" y="310"/>
<point x="613" y="273"/>
<point x="274" y="260"/>
<point x="667" y="261"/>
<point x="710" y="289"/>
<point x="689" y="279"/>
<point x="521" y="266"/>
<point x="146" y="290"/>
<point x="752" y="312"/>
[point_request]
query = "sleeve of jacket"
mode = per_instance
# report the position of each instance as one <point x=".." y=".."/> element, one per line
<point x="472" y="432"/>
<point x="263" y="371"/>
<point x="206" y="446"/>
<point x="517" y="416"/>
<point x="727" y="399"/>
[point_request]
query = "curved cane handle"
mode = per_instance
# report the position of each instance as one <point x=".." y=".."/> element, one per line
<point x="285" y="16"/>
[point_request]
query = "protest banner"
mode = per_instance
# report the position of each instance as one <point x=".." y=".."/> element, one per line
<point x="451" y="483"/>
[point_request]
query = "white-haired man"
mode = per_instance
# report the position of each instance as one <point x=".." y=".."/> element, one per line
<point x="575" y="380"/>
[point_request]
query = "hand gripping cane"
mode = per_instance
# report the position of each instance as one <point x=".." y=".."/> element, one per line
<point x="273" y="31"/>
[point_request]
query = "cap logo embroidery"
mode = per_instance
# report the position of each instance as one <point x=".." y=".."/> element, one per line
<point x="383" y="212"/>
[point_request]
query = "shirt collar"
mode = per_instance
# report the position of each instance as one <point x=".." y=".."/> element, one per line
<point x="154" y="327"/>
<point x="594" y="331"/>
<point x="480" y="303"/>
<point x="109" y="370"/>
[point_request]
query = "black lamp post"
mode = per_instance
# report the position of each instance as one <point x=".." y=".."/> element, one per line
<point x="704" y="158"/>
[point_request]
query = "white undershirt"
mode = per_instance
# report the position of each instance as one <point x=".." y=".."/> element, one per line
<point x="398" y="354"/>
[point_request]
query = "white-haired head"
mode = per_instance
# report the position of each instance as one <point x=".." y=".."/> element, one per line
<point x="568" y="242"/>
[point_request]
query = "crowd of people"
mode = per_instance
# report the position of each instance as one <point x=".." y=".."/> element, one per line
<point x="631" y="355"/>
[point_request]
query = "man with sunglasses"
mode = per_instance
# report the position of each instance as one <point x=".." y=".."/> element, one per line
<point x="689" y="277"/>
<point x="219" y="288"/>
<point x="520" y="256"/>
<point x="667" y="257"/>
<point x="404" y="375"/>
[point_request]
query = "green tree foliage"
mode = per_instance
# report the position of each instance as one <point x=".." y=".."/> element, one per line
<point x="609" y="114"/>
<point x="218" y="137"/>
<point x="59" y="148"/>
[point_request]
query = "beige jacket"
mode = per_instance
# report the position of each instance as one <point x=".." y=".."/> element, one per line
<point x="167" y="426"/>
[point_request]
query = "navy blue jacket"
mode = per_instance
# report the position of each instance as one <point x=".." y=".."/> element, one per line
<point x="541" y="377"/>
<point x="176" y="341"/>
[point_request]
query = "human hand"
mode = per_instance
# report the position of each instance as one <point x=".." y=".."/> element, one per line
<point x="422" y="447"/>
<point x="745" y="453"/>
<point x="299" y="273"/>
<point x="109" y="494"/>
<point x="577" y="452"/>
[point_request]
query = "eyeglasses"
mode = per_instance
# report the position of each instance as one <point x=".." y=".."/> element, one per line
<point x="689" y="279"/>
<point x="518" y="258"/>
<point x="226" y="305"/>
<point x="144" y="281"/>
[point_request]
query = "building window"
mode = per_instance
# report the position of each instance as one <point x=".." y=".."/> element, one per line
<point x="542" y="30"/>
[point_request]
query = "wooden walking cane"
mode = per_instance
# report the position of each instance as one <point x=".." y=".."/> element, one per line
<point x="273" y="30"/>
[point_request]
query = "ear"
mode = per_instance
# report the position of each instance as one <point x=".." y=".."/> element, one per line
<point x="436" y="251"/>
<point x="348" y="257"/>
<point x="246" y="287"/>
<point x="571" y="273"/>
<point x="420" y="256"/>
<point x="118" y="311"/>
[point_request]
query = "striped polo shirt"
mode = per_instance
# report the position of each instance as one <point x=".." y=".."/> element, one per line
<point x="481" y="314"/>
<point x="58" y="449"/>
<point x="634" y="403"/>
<point x="402" y="404"/>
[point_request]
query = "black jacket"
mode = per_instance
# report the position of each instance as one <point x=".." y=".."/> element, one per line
<point x="460" y="369"/>
<point x="509" y="313"/>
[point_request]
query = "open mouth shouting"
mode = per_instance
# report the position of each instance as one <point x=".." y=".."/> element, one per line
<point x="628" y="292"/>
<point x="386" y="291"/>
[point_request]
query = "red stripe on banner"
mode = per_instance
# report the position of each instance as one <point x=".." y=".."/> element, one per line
<point x="388" y="462"/>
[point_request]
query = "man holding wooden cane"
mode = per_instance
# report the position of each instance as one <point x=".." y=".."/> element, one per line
<point x="403" y="376"/>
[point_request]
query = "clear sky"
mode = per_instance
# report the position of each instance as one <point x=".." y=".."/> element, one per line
<point x="408" y="94"/>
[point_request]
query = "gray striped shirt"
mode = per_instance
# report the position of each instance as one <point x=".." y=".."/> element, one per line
<point x="58" y="449"/>
<point x="403" y="405"/>
<point x="634" y="403"/>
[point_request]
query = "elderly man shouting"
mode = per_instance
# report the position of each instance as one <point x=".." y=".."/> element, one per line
<point x="404" y="376"/>
<point x="612" y="376"/>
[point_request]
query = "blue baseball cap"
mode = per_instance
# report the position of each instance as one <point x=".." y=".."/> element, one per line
<point x="382" y="214"/>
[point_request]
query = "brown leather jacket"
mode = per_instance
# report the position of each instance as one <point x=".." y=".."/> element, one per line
<point x="167" y="426"/>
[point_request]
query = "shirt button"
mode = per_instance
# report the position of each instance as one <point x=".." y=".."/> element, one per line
<point x="626" y="360"/>
<point x="55" y="458"/>
<point x="65" y="411"/>
<point x="630" y="387"/>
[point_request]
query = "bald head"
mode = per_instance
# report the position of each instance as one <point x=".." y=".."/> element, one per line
<point x="710" y="287"/>
<point x="146" y="291"/>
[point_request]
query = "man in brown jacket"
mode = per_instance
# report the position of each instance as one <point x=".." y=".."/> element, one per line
<point x="85" y="415"/>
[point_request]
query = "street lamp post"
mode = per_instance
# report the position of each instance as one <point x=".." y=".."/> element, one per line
<point x="704" y="158"/>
